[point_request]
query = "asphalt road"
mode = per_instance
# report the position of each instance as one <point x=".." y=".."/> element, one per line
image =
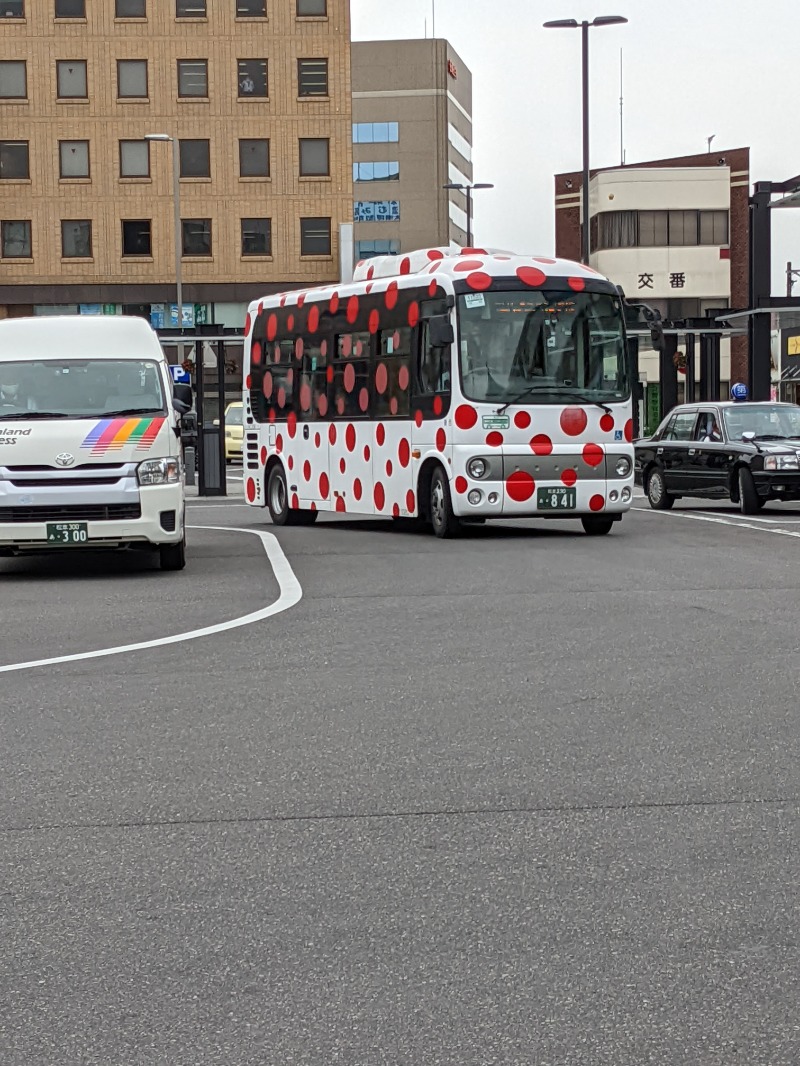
<point x="523" y="798"/>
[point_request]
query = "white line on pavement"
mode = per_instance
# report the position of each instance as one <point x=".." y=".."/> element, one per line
<point x="291" y="594"/>
<point x="699" y="516"/>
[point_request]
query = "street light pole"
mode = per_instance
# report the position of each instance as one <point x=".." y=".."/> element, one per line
<point x="467" y="190"/>
<point x="176" y="206"/>
<point x="573" y="24"/>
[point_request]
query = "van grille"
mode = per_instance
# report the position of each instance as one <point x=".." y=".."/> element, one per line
<point x="72" y="513"/>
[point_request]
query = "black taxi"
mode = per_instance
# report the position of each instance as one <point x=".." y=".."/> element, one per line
<point x="746" y="452"/>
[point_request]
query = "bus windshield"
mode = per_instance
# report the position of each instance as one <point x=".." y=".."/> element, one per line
<point x="79" y="388"/>
<point x="542" y="347"/>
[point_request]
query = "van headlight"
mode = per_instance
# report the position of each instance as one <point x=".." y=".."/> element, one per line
<point x="158" y="471"/>
<point x="623" y="466"/>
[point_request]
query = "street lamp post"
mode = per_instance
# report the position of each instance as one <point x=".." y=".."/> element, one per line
<point x="466" y="188"/>
<point x="573" y="24"/>
<point x="176" y="206"/>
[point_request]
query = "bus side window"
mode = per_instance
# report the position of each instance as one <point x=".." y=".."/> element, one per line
<point x="312" y="378"/>
<point x="433" y="367"/>
<point x="393" y="373"/>
<point x="351" y="373"/>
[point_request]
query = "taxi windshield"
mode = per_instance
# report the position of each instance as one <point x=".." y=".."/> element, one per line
<point x="767" y="420"/>
<point x="79" y="388"/>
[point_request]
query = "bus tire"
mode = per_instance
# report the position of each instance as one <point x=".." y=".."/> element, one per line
<point x="596" y="526"/>
<point x="278" y="497"/>
<point x="444" y="522"/>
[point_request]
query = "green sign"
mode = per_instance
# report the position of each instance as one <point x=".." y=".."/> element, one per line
<point x="652" y="409"/>
<point x="496" y="421"/>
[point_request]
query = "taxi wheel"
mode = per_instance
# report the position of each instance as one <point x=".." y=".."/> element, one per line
<point x="749" y="500"/>
<point x="659" y="498"/>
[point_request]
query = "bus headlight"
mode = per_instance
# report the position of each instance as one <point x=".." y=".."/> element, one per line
<point x="476" y="468"/>
<point x="623" y="467"/>
<point x="475" y="496"/>
<point x="158" y="471"/>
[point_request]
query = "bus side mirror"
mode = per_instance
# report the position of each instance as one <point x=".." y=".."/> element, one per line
<point x="440" y="332"/>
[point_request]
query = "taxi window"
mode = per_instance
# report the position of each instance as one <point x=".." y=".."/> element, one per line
<point x="707" y="427"/>
<point x="682" y="426"/>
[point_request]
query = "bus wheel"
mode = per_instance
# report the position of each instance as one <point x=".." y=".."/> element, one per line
<point x="444" y="522"/>
<point x="278" y="497"/>
<point x="597" y="527"/>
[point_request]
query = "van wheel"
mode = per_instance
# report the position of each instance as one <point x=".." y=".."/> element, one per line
<point x="173" y="556"/>
<point x="444" y="522"/>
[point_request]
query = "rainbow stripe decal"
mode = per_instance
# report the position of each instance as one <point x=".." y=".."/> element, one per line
<point x="112" y="434"/>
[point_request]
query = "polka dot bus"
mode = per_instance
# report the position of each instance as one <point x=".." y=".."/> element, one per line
<point x="443" y="386"/>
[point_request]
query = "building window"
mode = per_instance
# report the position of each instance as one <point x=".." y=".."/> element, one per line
<point x="12" y="9"/>
<point x="683" y="227"/>
<point x="254" y="158"/>
<point x="376" y="172"/>
<point x="136" y="237"/>
<point x="131" y="78"/>
<point x="617" y="230"/>
<point x="190" y="9"/>
<point x="70" y="9"/>
<point x="196" y="236"/>
<point x="73" y="159"/>
<point x="252" y="75"/>
<point x="714" y="227"/>
<point x="653" y="229"/>
<point x="13" y="80"/>
<point x="14" y="162"/>
<point x="312" y="7"/>
<point x="312" y="77"/>
<point x="195" y="159"/>
<point x="130" y="9"/>
<point x="76" y="239"/>
<point x="251" y="9"/>
<point x="376" y="133"/>
<point x="376" y="211"/>
<point x="315" y="236"/>
<point x="314" y="157"/>
<point x="193" y="77"/>
<point x="71" y="79"/>
<point x="15" y="240"/>
<point x="134" y="159"/>
<point x="256" y="236"/>
<point x="369" y="249"/>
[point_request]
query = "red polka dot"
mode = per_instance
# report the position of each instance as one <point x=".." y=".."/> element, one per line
<point x="405" y="265"/>
<point x="247" y="324"/>
<point x="413" y="313"/>
<point x="324" y="485"/>
<point x="322" y="404"/>
<point x="291" y="424"/>
<point x="396" y="510"/>
<point x="573" y="421"/>
<point x="298" y="348"/>
<point x="541" y="444"/>
<point x="266" y="385"/>
<point x="290" y="323"/>
<point x="333" y="306"/>
<point x="306" y="470"/>
<point x="290" y="462"/>
<point x="263" y="456"/>
<point x="389" y="468"/>
<point x="283" y="299"/>
<point x="381" y="378"/>
<point x="441" y="439"/>
<point x="461" y="485"/>
<point x="301" y="299"/>
<point x="313" y="319"/>
<point x="494" y="439"/>
<point x="531" y="276"/>
<point x="271" y="414"/>
<point x="520" y="486"/>
<point x="464" y="266"/>
<point x="380" y="434"/>
<point x="342" y="465"/>
<point x="295" y="502"/>
<point x="522" y="419"/>
<point x="479" y="281"/>
<point x="367" y="453"/>
<point x="374" y="320"/>
<point x="279" y="443"/>
<point x="276" y="352"/>
<point x="629" y="430"/>
<point x="435" y="253"/>
<point x="393" y="405"/>
<point x="363" y="399"/>
<point x="350" y="437"/>
<point x="473" y="251"/>
<point x="592" y="454"/>
<point x="340" y="505"/>
<point x="313" y="506"/>
<point x="418" y="419"/>
<point x="402" y="378"/>
<point x="370" y="273"/>
<point x="607" y="423"/>
<point x="357" y="489"/>
<point x="391" y="295"/>
<point x="597" y="503"/>
<point x="255" y="353"/>
<point x="437" y="405"/>
<point x="411" y="502"/>
<point x="352" y="309"/>
<point x="379" y="496"/>
<point x="404" y="452"/>
<point x="272" y="327"/>
<point x="251" y="490"/>
<point x="569" y="477"/>
<point x="542" y="259"/>
<point x="576" y="284"/>
<point x="281" y="397"/>
<point x="332" y="433"/>
<point x="349" y="377"/>
<point x="248" y="382"/>
<point x="329" y="373"/>
<point x="317" y="440"/>
<point x="432" y="288"/>
<point x="465" y="417"/>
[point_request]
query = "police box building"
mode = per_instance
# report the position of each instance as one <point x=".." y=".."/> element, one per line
<point x="674" y="234"/>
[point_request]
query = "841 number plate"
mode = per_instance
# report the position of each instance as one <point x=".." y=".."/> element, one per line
<point x="556" y="499"/>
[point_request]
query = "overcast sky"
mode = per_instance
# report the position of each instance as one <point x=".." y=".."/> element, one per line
<point x="691" y="68"/>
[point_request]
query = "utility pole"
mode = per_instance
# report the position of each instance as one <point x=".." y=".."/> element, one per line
<point x="792" y="275"/>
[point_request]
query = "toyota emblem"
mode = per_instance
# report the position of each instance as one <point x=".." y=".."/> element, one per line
<point x="65" y="459"/>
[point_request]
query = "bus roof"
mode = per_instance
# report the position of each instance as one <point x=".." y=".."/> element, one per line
<point x="84" y="336"/>
<point x="476" y="266"/>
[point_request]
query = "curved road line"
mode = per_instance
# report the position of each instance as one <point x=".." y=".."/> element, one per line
<point x="291" y="593"/>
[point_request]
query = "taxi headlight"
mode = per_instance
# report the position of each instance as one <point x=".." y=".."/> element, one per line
<point x="158" y="471"/>
<point x="623" y="466"/>
<point x="780" y="462"/>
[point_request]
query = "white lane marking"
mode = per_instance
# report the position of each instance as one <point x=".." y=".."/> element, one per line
<point x="700" y="516"/>
<point x="291" y="594"/>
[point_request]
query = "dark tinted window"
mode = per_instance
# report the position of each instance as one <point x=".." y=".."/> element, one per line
<point x="136" y="237"/>
<point x="195" y="159"/>
<point x="14" y="163"/>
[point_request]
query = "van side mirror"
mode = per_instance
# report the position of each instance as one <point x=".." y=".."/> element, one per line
<point x="440" y="331"/>
<point x="182" y="398"/>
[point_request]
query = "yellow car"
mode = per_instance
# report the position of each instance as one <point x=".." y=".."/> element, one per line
<point x="234" y="432"/>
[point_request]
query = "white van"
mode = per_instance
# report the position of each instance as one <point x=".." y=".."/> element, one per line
<point x="90" y="448"/>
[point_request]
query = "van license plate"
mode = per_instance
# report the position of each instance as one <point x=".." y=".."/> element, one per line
<point x="67" y="533"/>
<point x="556" y="499"/>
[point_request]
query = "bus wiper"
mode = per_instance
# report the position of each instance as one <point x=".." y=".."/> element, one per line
<point x="541" y="387"/>
<point x="26" y="416"/>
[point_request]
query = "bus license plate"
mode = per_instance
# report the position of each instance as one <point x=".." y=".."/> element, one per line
<point x="556" y="499"/>
<point x="67" y="533"/>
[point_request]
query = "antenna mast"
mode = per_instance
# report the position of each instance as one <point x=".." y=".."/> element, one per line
<point x="621" y="125"/>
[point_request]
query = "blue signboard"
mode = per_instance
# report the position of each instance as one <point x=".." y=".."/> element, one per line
<point x="180" y="376"/>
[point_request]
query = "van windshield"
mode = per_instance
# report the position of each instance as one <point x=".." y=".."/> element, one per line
<point x="80" y="388"/>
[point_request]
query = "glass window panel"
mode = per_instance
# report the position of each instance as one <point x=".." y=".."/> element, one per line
<point x="312" y="7"/>
<point x="73" y="159"/>
<point x="195" y="158"/>
<point x="14" y="160"/>
<point x="714" y="227"/>
<point x="254" y="158"/>
<point x="653" y="229"/>
<point x="192" y="77"/>
<point x="76" y="239"/>
<point x="130" y="9"/>
<point x="134" y="159"/>
<point x="314" y="156"/>
<point x="312" y="77"/>
<point x="252" y="75"/>
<point x="392" y="377"/>
<point x="376" y="211"/>
<point x="380" y="132"/>
<point x="132" y="78"/>
<point x="12" y="9"/>
<point x="351" y="376"/>
<point x="315" y="236"/>
<point x="196" y="236"/>
<point x="369" y="249"/>
<point x="71" y="79"/>
<point x="251" y="9"/>
<point x="256" y="236"/>
<point x="15" y="240"/>
<point x="682" y="227"/>
<point x="136" y="237"/>
<point x="70" y="9"/>
<point x="190" y="9"/>
<point x="13" y="81"/>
